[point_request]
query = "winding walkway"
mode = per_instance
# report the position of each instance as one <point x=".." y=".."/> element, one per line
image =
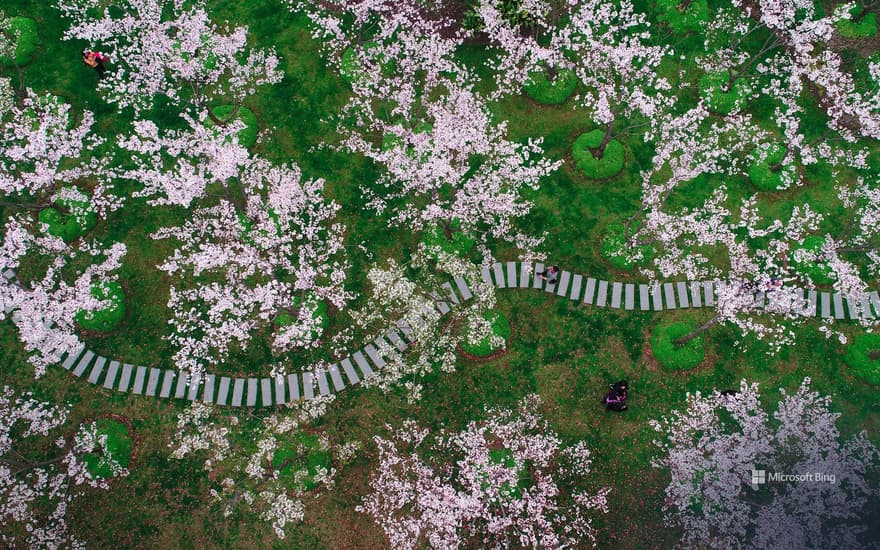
<point x="265" y="392"/>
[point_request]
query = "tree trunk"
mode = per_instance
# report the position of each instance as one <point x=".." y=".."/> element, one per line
<point x="680" y="342"/>
<point x="599" y="151"/>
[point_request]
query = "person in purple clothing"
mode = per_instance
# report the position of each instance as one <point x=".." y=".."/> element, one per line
<point x="615" y="399"/>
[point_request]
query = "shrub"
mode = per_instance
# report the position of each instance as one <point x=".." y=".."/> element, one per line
<point x="863" y="357"/>
<point x="77" y="219"/>
<point x="26" y="45"/>
<point x="460" y="243"/>
<point x="761" y="171"/>
<point x="247" y="136"/>
<point x="609" y="164"/>
<point x="299" y="462"/>
<point x="866" y="27"/>
<point x="670" y="356"/>
<point x="819" y="272"/>
<point x="286" y="319"/>
<point x="615" y="245"/>
<point x="549" y="91"/>
<point x="500" y="327"/>
<point x="104" y="320"/>
<point x="723" y="102"/>
<point x="118" y="449"/>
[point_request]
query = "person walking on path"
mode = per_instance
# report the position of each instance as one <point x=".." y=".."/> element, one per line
<point x="615" y="399"/>
<point x="96" y="61"/>
<point x="550" y="274"/>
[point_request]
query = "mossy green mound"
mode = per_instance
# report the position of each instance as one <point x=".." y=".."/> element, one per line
<point x="767" y="174"/>
<point x="25" y="29"/>
<point x="865" y="27"/>
<point x="718" y="98"/>
<point x="118" y="449"/>
<point x="299" y="463"/>
<point x="668" y="354"/>
<point x="608" y="165"/>
<point x="500" y="327"/>
<point x="70" y="218"/>
<point x="818" y="271"/>
<point x="247" y="136"/>
<point x="692" y="18"/>
<point x="104" y="320"/>
<point x="351" y="65"/>
<point x="863" y="357"/>
<point x="615" y="248"/>
<point x="458" y="243"/>
<point x="551" y="89"/>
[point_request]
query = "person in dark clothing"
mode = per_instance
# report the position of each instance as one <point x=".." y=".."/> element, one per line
<point x="615" y="399"/>
<point x="96" y="61"/>
<point x="550" y="274"/>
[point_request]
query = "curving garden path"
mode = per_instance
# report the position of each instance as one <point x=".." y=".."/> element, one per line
<point x="255" y="392"/>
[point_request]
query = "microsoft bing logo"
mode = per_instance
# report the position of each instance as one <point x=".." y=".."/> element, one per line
<point x="759" y="477"/>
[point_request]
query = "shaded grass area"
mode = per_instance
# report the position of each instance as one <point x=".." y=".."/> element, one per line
<point x="567" y="353"/>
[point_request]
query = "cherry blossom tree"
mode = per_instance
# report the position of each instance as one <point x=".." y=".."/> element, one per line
<point x="42" y="473"/>
<point x="722" y="448"/>
<point x="172" y="48"/>
<point x="272" y="465"/>
<point x="512" y="483"/>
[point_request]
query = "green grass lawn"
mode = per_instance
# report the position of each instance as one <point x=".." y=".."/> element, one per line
<point x="566" y="352"/>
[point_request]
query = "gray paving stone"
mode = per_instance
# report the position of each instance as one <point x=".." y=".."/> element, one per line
<point x="656" y="300"/>
<point x="669" y="294"/>
<point x="696" y="298"/>
<point x="590" y="290"/>
<point x="644" y="299"/>
<point x="350" y="373"/>
<point x="576" y="283"/>
<point x="336" y="377"/>
<point x="682" y="294"/>
<point x="759" y="299"/>
<point x="629" y="296"/>
<point x="616" y="294"/>
<point x="811" y="298"/>
<point x="95" y="374"/>
<point x="709" y="293"/>
<point x="562" y="289"/>
<point x="167" y="384"/>
<point x="194" y="384"/>
<point x="153" y="382"/>
<point x="837" y="300"/>
<point x="83" y="363"/>
<point x="251" y="399"/>
<point x="486" y="276"/>
<point x="825" y="300"/>
<point x="866" y="307"/>
<point x="538" y="282"/>
<point x="602" y="294"/>
<point x="308" y="386"/>
<point x="293" y="387"/>
<point x="498" y="271"/>
<point x="9" y="274"/>
<point x="280" y="398"/>
<point x="223" y="391"/>
<point x="323" y="386"/>
<point x="463" y="289"/>
<point x="237" y="391"/>
<point x="373" y="354"/>
<point x="266" y="391"/>
<point x="511" y="275"/>
<point x="525" y="271"/>
<point x="208" y="394"/>
<point x="110" y="379"/>
<point x="852" y="307"/>
<point x="361" y="362"/>
<point x="180" y="390"/>
<point x="71" y="358"/>
<point x="406" y="330"/>
<point x="453" y="297"/>
<point x="125" y="379"/>
<point x="875" y="301"/>
<point x="441" y="306"/>
<point x="396" y="340"/>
